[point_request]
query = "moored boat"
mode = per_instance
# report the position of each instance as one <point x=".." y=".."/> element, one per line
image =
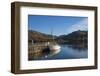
<point x="54" y="48"/>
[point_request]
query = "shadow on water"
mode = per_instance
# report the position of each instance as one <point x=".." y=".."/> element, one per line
<point x="45" y="51"/>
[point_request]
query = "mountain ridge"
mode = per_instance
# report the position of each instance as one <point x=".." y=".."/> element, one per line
<point x="75" y="36"/>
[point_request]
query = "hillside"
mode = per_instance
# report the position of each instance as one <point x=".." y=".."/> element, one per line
<point x="38" y="36"/>
<point x="76" y="37"/>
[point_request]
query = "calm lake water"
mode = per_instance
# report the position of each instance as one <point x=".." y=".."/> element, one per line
<point x="67" y="52"/>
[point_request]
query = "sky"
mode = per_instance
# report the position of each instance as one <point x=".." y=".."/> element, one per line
<point x="59" y="25"/>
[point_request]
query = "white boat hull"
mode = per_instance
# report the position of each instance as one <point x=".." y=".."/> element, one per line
<point x="55" y="48"/>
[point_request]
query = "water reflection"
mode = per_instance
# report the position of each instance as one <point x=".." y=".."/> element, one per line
<point x="67" y="52"/>
<point x="78" y="47"/>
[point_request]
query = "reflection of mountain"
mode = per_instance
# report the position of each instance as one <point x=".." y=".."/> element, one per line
<point x="76" y="37"/>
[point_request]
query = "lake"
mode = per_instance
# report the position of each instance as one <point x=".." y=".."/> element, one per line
<point x="66" y="52"/>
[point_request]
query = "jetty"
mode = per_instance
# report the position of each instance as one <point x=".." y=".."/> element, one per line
<point x="37" y="49"/>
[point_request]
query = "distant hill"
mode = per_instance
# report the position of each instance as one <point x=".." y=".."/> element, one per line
<point x="38" y="36"/>
<point x="75" y="37"/>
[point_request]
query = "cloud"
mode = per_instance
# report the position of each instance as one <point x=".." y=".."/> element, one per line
<point x="82" y="25"/>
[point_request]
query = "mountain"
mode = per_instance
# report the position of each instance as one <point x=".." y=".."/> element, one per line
<point x="38" y="36"/>
<point x="75" y="37"/>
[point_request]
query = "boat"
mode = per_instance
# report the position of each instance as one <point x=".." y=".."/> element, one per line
<point x="54" y="47"/>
